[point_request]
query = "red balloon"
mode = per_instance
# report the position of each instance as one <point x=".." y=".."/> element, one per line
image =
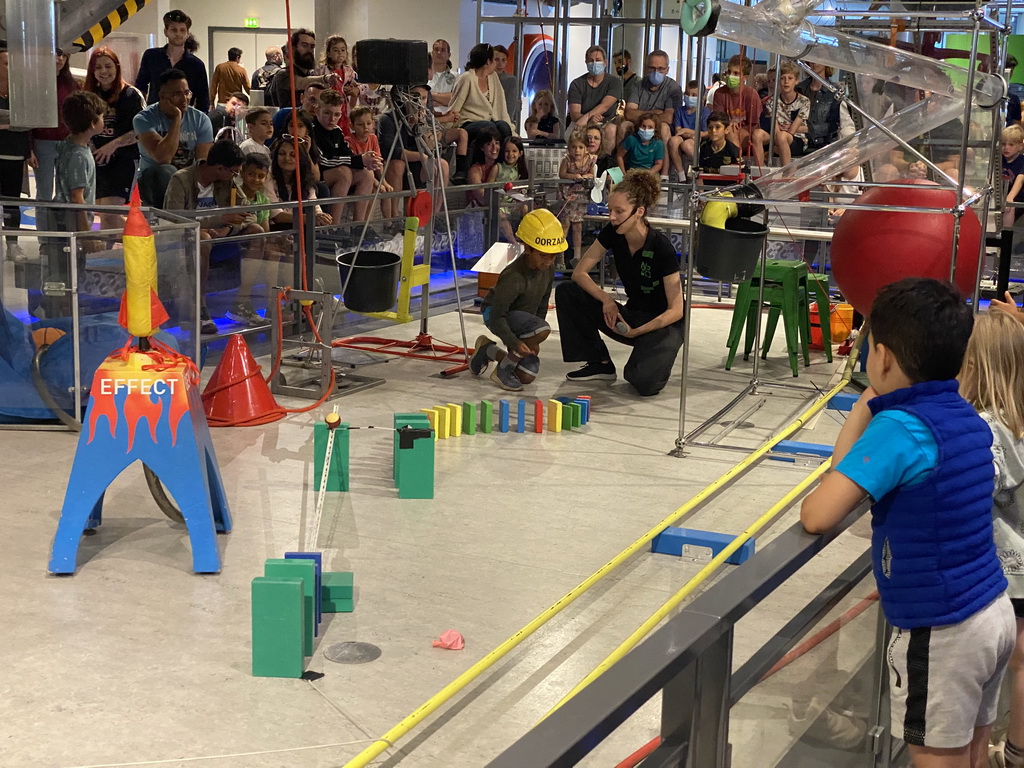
<point x="871" y="249"/>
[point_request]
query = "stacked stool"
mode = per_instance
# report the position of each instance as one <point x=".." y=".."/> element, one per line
<point x="786" y="293"/>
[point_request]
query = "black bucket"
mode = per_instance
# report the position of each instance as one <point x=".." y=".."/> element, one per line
<point x="373" y="286"/>
<point x="730" y="255"/>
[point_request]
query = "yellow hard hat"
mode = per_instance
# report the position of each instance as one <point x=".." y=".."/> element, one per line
<point x="540" y="229"/>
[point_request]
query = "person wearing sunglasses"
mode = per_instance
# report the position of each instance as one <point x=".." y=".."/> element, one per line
<point x="172" y="135"/>
<point x="173" y="55"/>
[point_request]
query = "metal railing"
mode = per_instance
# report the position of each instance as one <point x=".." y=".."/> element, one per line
<point x="689" y="661"/>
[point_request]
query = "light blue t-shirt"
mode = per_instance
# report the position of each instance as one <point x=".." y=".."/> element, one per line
<point x="196" y="128"/>
<point x="640" y="155"/>
<point x="896" y="449"/>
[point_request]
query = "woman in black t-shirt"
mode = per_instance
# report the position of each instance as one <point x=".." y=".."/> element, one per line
<point x="116" y="149"/>
<point x="651" y="320"/>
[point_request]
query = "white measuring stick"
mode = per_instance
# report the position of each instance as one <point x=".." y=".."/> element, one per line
<point x="319" y="511"/>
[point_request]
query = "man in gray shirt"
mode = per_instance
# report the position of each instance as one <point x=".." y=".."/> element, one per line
<point x="657" y="93"/>
<point x="594" y="98"/>
<point x="510" y="85"/>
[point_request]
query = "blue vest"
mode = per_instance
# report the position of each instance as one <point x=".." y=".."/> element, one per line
<point x="934" y="557"/>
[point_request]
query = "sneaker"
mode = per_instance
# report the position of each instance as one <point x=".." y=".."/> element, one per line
<point x="243" y="312"/>
<point x="593" y="372"/>
<point x="505" y="377"/>
<point x="206" y="325"/>
<point x="16" y="253"/>
<point x="479" y="361"/>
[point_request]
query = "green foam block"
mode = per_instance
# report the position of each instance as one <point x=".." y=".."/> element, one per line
<point x="278" y="626"/>
<point x="336" y="585"/>
<point x="486" y="416"/>
<point x="469" y="418"/>
<point x="577" y="414"/>
<point x="305" y="570"/>
<point x="339" y="606"/>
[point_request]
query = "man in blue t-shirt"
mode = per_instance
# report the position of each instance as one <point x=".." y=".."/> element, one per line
<point x="172" y="136"/>
<point x="924" y="456"/>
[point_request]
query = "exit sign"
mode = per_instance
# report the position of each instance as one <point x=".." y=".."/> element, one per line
<point x="252" y="22"/>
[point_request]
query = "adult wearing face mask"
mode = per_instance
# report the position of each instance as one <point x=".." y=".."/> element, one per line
<point x="594" y="98"/>
<point x="658" y="93"/>
<point x="624" y="68"/>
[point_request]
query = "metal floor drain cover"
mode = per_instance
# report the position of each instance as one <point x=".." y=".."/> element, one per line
<point x="352" y="653"/>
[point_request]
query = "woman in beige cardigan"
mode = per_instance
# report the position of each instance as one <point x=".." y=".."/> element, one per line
<point x="478" y="98"/>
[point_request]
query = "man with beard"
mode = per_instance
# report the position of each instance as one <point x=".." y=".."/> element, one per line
<point x="156" y="61"/>
<point x="302" y="48"/>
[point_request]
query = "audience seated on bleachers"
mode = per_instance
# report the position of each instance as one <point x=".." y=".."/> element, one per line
<point x="261" y="130"/>
<point x="345" y="173"/>
<point x="657" y="93"/>
<point x="743" y="106"/>
<point x="172" y="136"/>
<point x="206" y="186"/>
<point x="224" y="117"/>
<point x="686" y="134"/>
<point x="594" y="98"/>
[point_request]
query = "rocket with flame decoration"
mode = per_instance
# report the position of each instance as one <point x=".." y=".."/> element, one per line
<point x="141" y="311"/>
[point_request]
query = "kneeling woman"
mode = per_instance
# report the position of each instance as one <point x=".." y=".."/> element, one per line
<point x="651" y="320"/>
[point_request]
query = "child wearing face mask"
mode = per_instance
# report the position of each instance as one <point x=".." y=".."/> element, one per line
<point x="743" y="106"/>
<point x="641" y="149"/>
<point x="685" y="134"/>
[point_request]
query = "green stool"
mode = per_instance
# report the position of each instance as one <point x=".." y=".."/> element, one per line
<point x="785" y="293"/>
<point x="818" y="286"/>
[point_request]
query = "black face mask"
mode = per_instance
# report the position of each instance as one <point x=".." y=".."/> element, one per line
<point x="621" y="70"/>
<point x="618" y="229"/>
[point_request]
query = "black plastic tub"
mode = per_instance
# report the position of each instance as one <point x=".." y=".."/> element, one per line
<point x="730" y="255"/>
<point x="373" y="286"/>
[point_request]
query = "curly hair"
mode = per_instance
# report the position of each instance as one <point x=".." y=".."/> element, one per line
<point x="641" y="188"/>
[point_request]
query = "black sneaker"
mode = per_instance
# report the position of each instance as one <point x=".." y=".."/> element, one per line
<point x="593" y="372"/>
<point x="244" y="313"/>
<point x="206" y="325"/>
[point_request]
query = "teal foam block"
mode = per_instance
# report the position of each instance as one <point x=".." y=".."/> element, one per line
<point x="318" y="561"/>
<point x="672" y="540"/>
<point x="415" y="420"/>
<point x="415" y="462"/>
<point x="277" y="627"/>
<point x="305" y="570"/>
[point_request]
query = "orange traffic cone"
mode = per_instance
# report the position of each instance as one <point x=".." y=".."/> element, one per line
<point x="237" y="395"/>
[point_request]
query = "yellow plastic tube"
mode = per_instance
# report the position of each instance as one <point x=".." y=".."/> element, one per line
<point x="673" y="602"/>
<point x="430" y="705"/>
<point x="715" y="213"/>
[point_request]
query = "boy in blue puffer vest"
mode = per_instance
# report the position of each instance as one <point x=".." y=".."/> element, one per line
<point x="923" y="455"/>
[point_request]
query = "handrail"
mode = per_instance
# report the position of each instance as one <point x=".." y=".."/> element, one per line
<point x="575" y="729"/>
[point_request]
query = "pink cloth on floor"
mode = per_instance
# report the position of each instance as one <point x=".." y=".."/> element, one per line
<point x="451" y="640"/>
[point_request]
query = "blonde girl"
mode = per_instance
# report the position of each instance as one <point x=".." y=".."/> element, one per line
<point x="992" y="380"/>
<point x="543" y="109"/>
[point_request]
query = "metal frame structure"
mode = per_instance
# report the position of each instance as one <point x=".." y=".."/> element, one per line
<point x="689" y="661"/>
<point x="979" y="22"/>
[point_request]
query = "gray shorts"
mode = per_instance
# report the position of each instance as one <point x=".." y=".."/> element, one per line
<point x="524" y="325"/>
<point x="944" y="681"/>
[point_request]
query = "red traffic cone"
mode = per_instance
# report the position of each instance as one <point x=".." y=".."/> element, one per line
<point x="237" y="395"/>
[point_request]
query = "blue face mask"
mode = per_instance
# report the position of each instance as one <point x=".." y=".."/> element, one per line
<point x="646" y="133"/>
<point x="596" y="68"/>
<point x="691" y="102"/>
<point x="656" y="78"/>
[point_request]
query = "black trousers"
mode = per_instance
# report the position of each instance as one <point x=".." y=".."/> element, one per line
<point x="12" y="175"/>
<point x="581" y="323"/>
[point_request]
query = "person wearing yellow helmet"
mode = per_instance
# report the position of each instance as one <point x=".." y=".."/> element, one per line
<point x="515" y="308"/>
<point x="651" y="320"/>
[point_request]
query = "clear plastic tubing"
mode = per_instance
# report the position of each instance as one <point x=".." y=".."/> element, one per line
<point x="824" y="165"/>
<point x="788" y="34"/>
<point x="32" y="50"/>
